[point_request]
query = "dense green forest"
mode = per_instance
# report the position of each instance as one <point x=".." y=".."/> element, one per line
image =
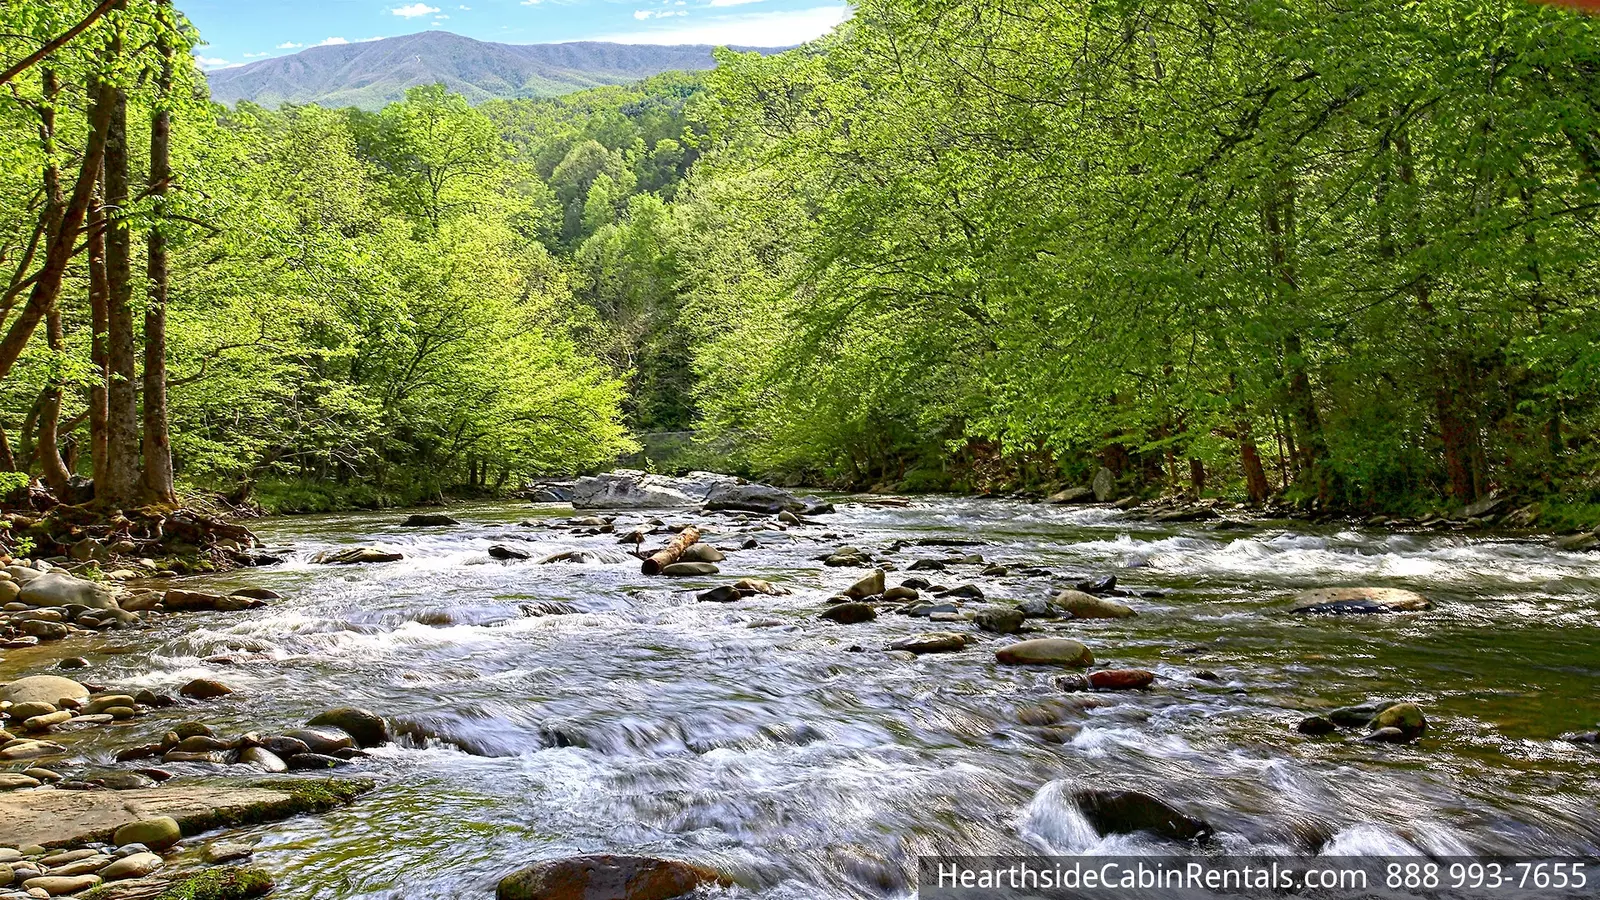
<point x="1343" y="253"/>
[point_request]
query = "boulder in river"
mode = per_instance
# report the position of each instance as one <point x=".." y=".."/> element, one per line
<point x="690" y="568"/>
<point x="931" y="642"/>
<point x="1088" y="606"/>
<point x="49" y="589"/>
<point x="204" y="689"/>
<point x="367" y="728"/>
<point x="317" y="739"/>
<point x="1104" y="485"/>
<point x="1121" y="679"/>
<point x="428" y="520"/>
<point x="504" y="553"/>
<point x="1072" y="495"/>
<point x="1046" y="652"/>
<point x="607" y="877"/>
<point x="722" y="593"/>
<point x="1407" y="718"/>
<point x="870" y="586"/>
<point x="1000" y="619"/>
<point x="1316" y="726"/>
<point x="850" y="613"/>
<point x="704" y="553"/>
<point x="630" y="490"/>
<point x="1130" y="812"/>
<point x="157" y="833"/>
<point x="356" y="556"/>
<point x="1357" y="601"/>
<point x="752" y="497"/>
<point x="50" y="689"/>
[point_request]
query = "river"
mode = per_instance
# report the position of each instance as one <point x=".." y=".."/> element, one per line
<point x="800" y="757"/>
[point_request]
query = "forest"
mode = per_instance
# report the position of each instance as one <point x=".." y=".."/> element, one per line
<point x="1339" y="255"/>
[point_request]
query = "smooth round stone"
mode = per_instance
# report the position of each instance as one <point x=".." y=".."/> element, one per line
<point x="1046" y="652"/>
<point x="158" y="833"/>
<point x="690" y="568"/>
<point x="21" y="711"/>
<point x="134" y="865"/>
<point x="57" y="885"/>
<point x="11" y="782"/>
<point x="43" y="688"/>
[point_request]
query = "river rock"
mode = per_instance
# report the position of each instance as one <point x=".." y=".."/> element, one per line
<point x="757" y="586"/>
<point x="1104" y="485"/>
<point x="24" y="711"/>
<point x="326" y="741"/>
<point x="870" y="586"/>
<point x="1407" y="718"/>
<point x="51" y="689"/>
<point x="1072" y="495"/>
<point x="752" y="497"/>
<point x="61" y="885"/>
<point x="691" y="568"/>
<point x="607" y="877"/>
<point x="1046" y="652"/>
<point x="157" y="833"/>
<point x="1316" y="726"/>
<point x="850" y="613"/>
<point x="205" y="689"/>
<point x="60" y="589"/>
<point x="1000" y="620"/>
<point x="134" y="865"/>
<point x="256" y="593"/>
<point x="1121" y="679"/>
<point x="1386" y="736"/>
<point x="931" y="642"/>
<point x="1357" y="601"/>
<point x="1088" y="606"/>
<point x="29" y="749"/>
<point x="356" y="556"/>
<point x="1099" y="587"/>
<point x="263" y="759"/>
<point x="723" y="593"/>
<point x="704" y="553"/>
<point x="1130" y="812"/>
<point x="87" y="865"/>
<point x="1577" y="542"/>
<point x="367" y="728"/>
<point x="47" y="721"/>
<point x="901" y="594"/>
<point x="428" y="520"/>
<point x="628" y="490"/>
<point x="502" y="552"/>
<point x="12" y="781"/>
<point x="175" y="599"/>
<point x="315" y="761"/>
<point x="1358" y="715"/>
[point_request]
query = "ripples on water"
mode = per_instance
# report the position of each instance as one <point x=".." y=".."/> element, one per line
<point x="801" y="758"/>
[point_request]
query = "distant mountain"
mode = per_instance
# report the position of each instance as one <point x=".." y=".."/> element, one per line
<point x="374" y="73"/>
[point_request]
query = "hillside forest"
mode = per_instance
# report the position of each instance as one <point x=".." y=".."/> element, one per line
<point x="1342" y="255"/>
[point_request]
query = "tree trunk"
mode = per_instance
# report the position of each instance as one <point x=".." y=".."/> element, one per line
<point x="1197" y="477"/>
<point x="158" y="487"/>
<point x="122" y="402"/>
<point x="51" y="466"/>
<point x="1255" y="476"/>
<point x="97" y="347"/>
<point x="670" y="553"/>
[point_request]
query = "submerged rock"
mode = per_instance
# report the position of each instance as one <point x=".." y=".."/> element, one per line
<point x="205" y="689"/>
<point x="428" y="520"/>
<point x="356" y="556"/>
<point x="367" y="728"/>
<point x="931" y="642"/>
<point x="870" y="586"/>
<point x="1357" y="601"/>
<point x="1000" y="620"/>
<point x="1046" y="652"/>
<point x="1121" y="679"/>
<point x="725" y="593"/>
<point x="691" y="568"/>
<point x="607" y="877"/>
<point x="504" y="553"/>
<point x="1316" y="726"/>
<point x="850" y="613"/>
<point x="1129" y="812"/>
<point x="1407" y="718"/>
<point x="1088" y="606"/>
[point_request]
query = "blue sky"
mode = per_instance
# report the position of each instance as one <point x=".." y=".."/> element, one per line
<point x="242" y="31"/>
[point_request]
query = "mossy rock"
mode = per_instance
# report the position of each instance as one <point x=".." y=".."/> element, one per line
<point x="225" y="883"/>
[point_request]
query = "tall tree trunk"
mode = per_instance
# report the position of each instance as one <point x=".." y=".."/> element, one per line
<point x="158" y="487"/>
<point x="122" y="484"/>
<point x="1278" y="222"/>
<point x="97" y="346"/>
<point x="48" y="450"/>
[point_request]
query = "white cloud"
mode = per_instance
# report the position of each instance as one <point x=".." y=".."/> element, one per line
<point x="290" y="45"/>
<point x="211" y="63"/>
<point x="657" y="14"/>
<point x="414" y="10"/>
<point x="531" y="2"/>
<point x="256" y="55"/>
<point x="734" y="2"/>
<point x="464" y="8"/>
<point x="751" y="29"/>
<point x="333" y="42"/>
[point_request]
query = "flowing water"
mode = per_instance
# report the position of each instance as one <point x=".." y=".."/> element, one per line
<point x="803" y="759"/>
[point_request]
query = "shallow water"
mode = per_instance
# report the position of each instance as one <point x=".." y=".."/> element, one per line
<point x="798" y="756"/>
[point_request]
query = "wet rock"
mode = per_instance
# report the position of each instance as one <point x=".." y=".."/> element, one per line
<point x="690" y="568"/>
<point x="1577" y="542"/>
<point x="752" y="497"/>
<point x="263" y="759"/>
<point x="30" y="709"/>
<point x="48" y="721"/>
<point x="1039" y="608"/>
<point x="46" y="631"/>
<point x="607" y="877"/>
<point x="725" y="593"/>
<point x="502" y="552"/>
<point x="12" y="781"/>
<point x="1357" y="601"/>
<point x="367" y="728"/>
<point x="205" y="689"/>
<point x="901" y="594"/>
<point x="314" y="761"/>
<point x="61" y="885"/>
<point x="847" y="557"/>
<point x="927" y="565"/>
<point x="702" y="553"/>
<point x="1059" y="734"/>
<point x="966" y="591"/>
<point x="1072" y="495"/>
<point x="870" y="586"/>
<point x="60" y="589"/>
<point x="1356" y="716"/>
<point x="158" y="833"/>
<point x="788" y="518"/>
<point x="186" y="730"/>
<point x="356" y="556"/>
<point x="1104" y="485"/>
<point x="931" y="642"/>
<point x="1121" y="679"/>
<point x="629" y="490"/>
<point x="1088" y="606"/>
<point x="227" y="851"/>
<point x="1386" y="736"/>
<point x="1046" y="652"/>
<point x="51" y="689"/>
<point x="134" y="865"/>
<point x="257" y="593"/>
<point x="1407" y="718"/>
<point x="850" y="613"/>
<point x="757" y="586"/>
<point x="1592" y="738"/>
<point x="1316" y="726"/>
<point x="326" y="741"/>
<point x="576" y="556"/>
<point x="1072" y="684"/>
<point x="1130" y="812"/>
<point x="1098" y="586"/>
<point x="428" y="520"/>
<point x="1000" y="620"/>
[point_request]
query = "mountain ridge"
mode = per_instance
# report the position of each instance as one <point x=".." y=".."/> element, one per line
<point x="371" y="74"/>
